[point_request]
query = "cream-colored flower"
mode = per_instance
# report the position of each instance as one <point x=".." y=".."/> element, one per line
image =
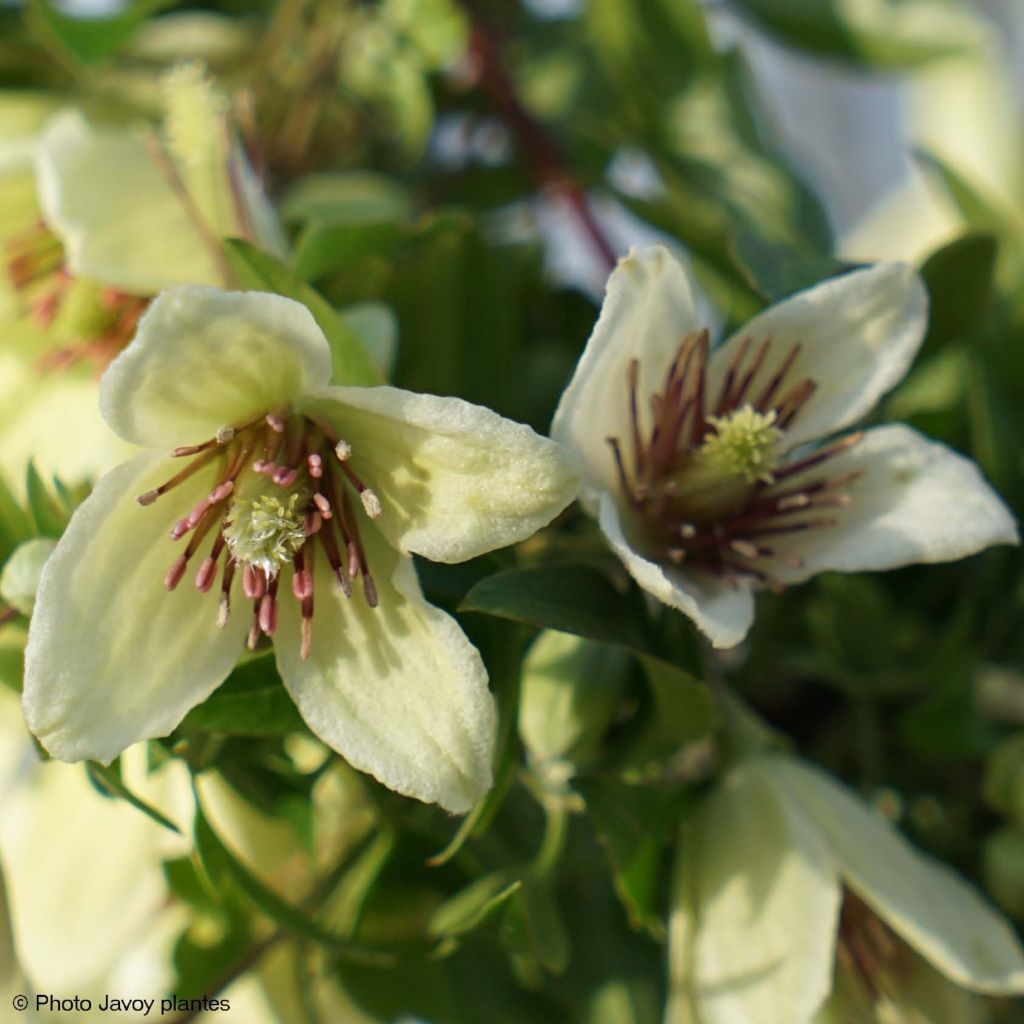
<point x="281" y="482"/>
<point x="102" y="218"/>
<point x="707" y="470"/>
<point x="795" y="904"/>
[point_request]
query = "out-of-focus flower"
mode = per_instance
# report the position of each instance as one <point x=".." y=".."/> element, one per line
<point x="122" y="213"/>
<point x="705" y="470"/>
<point x="793" y="903"/>
<point x="281" y="474"/>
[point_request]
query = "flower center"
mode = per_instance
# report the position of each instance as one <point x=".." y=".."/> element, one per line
<point x="743" y="444"/>
<point x="92" y="322"/>
<point x="706" y="478"/>
<point x="283" y="488"/>
<point x="266" y="532"/>
<point x="870" y="950"/>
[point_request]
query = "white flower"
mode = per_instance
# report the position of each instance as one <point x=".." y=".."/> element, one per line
<point x="700" y="467"/>
<point x="793" y="903"/>
<point x="280" y="479"/>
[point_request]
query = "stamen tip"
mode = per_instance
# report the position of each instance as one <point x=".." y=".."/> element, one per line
<point x="224" y="434"/>
<point x="371" y="503"/>
<point x="343" y="450"/>
<point x="148" y="498"/>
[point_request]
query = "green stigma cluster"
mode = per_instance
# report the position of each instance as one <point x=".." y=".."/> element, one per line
<point x="193" y="108"/>
<point x="743" y="444"/>
<point x="266" y="532"/>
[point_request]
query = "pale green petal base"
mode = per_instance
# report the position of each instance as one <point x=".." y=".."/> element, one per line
<point x="112" y="657"/>
<point x="455" y="480"/>
<point x="397" y="690"/>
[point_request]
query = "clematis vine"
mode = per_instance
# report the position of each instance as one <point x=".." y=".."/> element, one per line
<point x="793" y="903"/>
<point x="714" y="473"/>
<point x="281" y="497"/>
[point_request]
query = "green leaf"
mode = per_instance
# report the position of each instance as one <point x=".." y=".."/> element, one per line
<point x="778" y="269"/>
<point x="46" y="516"/>
<point x="268" y="711"/>
<point x="108" y="781"/>
<point x="570" y="598"/>
<point x="258" y="270"/>
<point x="633" y="823"/>
<point x="15" y="522"/>
<point x="681" y="711"/>
<point x="355" y="197"/>
<point x="221" y="865"/>
<point x="472" y="906"/>
<point x="881" y="34"/>
<point x="959" y="277"/>
<point x="328" y="248"/>
<point x="88" y="40"/>
<point x="532" y="926"/>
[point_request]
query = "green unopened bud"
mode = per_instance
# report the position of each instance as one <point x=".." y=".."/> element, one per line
<point x="570" y="693"/>
<point x="266" y="532"/>
<point x="743" y="444"/>
<point x="20" y="578"/>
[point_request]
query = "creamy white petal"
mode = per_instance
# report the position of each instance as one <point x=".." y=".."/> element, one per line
<point x="859" y="332"/>
<point x="203" y="359"/>
<point x="85" y="878"/>
<point x="755" y="909"/>
<point x="112" y="657"/>
<point x="397" y="690"/>
<point x="454" y="479"/>
<point x="724" y="612"/>
<point x="648" y="309"/>
<point x="116" y="212"/>
<point x="917" y="501"/>
<point x="923" y="901"/>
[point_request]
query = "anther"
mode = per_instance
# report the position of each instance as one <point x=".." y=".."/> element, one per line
<point x="371" y="503"/>
<point x="148" y="498"/>
<point x="253" y="582"/>
<point x="311" y="523"/>
<point x="369" y="590"/>
<point x="268" y="614"/>
<point x="224" y="434"/>
<point x="275" y="423"/>
<point x="224" y="606"/>
<point x="206" y="575"/>
<point x="315" y="465"/>
<point x="175" y="573"/>
<point x="179" y="529"/>
<point x="343" y="450"/>
<point x="323" y="505"/>
<point x="284" y="477"/>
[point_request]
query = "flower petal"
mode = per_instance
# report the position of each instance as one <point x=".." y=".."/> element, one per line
<point x="397" y="690"/>
<point x="454" y="479"/>
<point x="203" y="359"/>
<point x="859" y="334"/>
<point x="112" y="657"/>
<point x="924" y="902"/>
<point x="120" y="220"/>
<point x="56" y="831"/>
<point x="724" y="612"/>
<point x="648" y="308"/>
<point x="755" y="909"/>
<point x="917" y="501"/>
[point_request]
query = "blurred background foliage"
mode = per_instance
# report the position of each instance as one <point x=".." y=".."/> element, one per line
<point x="457" y="179"/>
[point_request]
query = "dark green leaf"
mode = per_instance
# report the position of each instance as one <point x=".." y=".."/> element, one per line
<point x="571" y="598"/>
<point x="633" y="824"/>
<point x="470" y="907"/>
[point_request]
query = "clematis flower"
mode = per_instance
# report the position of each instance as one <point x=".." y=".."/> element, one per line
<point x="281" y="492"/>
<point x="102" y="218"/>
<point x="794" y="903"/>
<point x="707" y="470"/>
